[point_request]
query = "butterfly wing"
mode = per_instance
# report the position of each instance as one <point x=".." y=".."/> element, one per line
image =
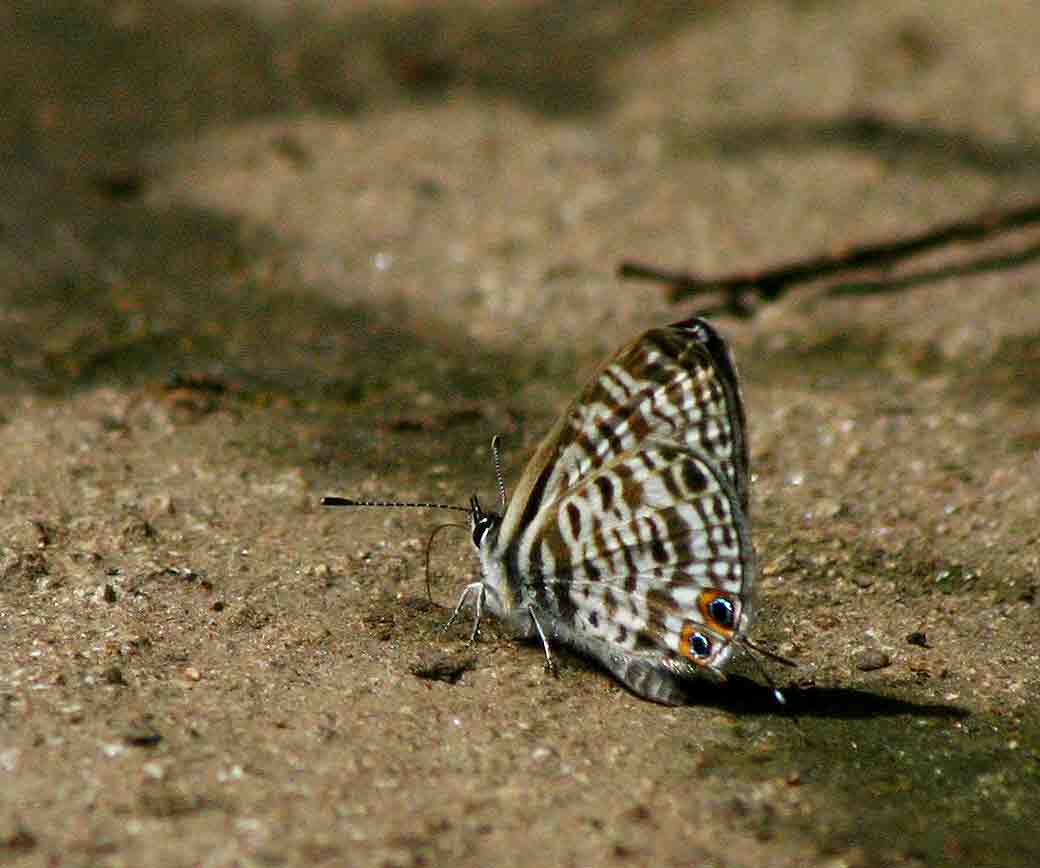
<point x="676" y="384"/>
<point x="629" y="526"/>
<point x="646" y="560"/>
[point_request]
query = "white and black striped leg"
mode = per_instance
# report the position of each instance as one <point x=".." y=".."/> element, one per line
<point x="478" y="588"/>
<point x="550" y="664"/>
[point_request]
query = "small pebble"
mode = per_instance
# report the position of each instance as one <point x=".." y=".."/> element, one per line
<point x="867" y="661"/>
<point x="142" y="735"/>
<point x="917" y="638"/>
<point x="16" y="837"/>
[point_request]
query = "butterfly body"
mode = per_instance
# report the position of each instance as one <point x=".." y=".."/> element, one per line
<point x="627" y="537"/>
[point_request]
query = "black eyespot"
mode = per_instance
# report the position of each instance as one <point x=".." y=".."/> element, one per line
<point x="700" y="645"/>
<point x="722" y="610"/>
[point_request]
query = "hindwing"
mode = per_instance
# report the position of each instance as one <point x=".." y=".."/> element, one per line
<point x="635" y="553"/>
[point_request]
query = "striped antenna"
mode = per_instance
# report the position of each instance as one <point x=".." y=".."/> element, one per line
<point x="498" y="470"/>
<point x="330" y="500"/>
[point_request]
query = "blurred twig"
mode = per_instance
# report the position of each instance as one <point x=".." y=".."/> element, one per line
<point x="771" y="283"/>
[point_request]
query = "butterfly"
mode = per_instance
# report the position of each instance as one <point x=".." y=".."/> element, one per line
<point x="627" y="538"/>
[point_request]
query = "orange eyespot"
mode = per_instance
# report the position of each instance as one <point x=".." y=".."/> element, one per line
<point x="719" y="612"/>
<point x="695" y="643"/>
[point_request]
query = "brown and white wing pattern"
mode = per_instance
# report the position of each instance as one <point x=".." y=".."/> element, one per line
<point x="627" y="537"/>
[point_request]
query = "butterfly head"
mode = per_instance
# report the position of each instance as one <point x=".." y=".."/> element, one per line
<point x="500" y="595"/>
<point x="484" y="524"/>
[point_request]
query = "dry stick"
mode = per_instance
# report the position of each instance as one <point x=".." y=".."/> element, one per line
<point x="771" y="283"/>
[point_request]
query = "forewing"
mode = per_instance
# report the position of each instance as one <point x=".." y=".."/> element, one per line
<point x="674" y="385"/>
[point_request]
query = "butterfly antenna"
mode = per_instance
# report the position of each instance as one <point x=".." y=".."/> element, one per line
<point x="777" y="692"/>
<point x="429" y="545"/>
<point x="331" y="500"/>
<point x="496" y="455"/>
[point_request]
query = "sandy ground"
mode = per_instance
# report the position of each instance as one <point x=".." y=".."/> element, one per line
<point x="254" y="253"/>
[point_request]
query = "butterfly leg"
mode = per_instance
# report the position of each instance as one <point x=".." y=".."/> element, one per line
<point x="550" y="664"/>
<point x="478" y="589"/>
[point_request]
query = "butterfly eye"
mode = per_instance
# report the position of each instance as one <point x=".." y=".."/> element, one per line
<point x="721" y="611"/>
<point x="483" y="523"/>
<point x="700" y="645"/>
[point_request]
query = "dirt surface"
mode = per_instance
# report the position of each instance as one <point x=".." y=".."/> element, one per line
<point x="253" y="253"/>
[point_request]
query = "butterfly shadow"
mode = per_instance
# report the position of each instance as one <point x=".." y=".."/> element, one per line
<point x="744" y="696"/>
